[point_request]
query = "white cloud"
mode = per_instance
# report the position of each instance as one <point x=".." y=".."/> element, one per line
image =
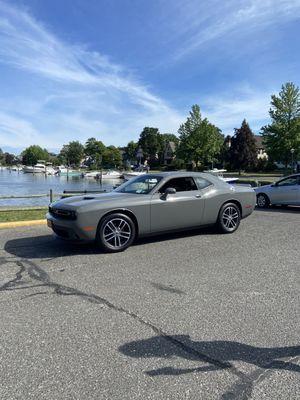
<point x="227" y="111"/>
<point x="16" y="132"/>
<point x="229" y="18"/>
<point x="89" y="95"/>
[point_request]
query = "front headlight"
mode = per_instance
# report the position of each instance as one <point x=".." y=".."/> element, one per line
<point x="62" y="213"/>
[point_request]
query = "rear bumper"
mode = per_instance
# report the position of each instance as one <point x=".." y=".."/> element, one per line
<point x="68" y="230"/>
<point x="248" y="207"/>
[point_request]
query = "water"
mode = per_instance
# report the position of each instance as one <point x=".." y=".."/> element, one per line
<point x="13" y="183"/>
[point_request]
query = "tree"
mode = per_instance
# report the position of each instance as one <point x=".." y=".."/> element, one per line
<point x="94" y="150"/>
<point x="32" y="154"/>
<point x="169" y="137"/>
<point x="151" y="142"/>
<point x="242" y="152"/>
<point x="1" y="156"/>
<point x="10" y="159"/>
<point x="283" y="134"/>
<point x="130" y="150"/>
<point x="112" y="157"/>
<point x="200" y="141"/>
<point x="72" y="153"/>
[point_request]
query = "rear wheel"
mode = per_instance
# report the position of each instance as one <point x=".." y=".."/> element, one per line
<point x="229" y="218"/>
<point x="262" y="200"/>
<point x="115" y="233"/>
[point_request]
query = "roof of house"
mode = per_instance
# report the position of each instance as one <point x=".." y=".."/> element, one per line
<point x="259" y="142"/>
<point x="171" y="145"/>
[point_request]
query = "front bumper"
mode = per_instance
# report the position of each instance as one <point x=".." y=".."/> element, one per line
<point x="68" y="229"/>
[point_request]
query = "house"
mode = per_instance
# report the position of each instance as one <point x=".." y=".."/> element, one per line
<point x="260" y="148"/>
<point x="169" y="152"/>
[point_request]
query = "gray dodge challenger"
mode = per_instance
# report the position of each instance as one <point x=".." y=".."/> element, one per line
<point x="151" y="204"/>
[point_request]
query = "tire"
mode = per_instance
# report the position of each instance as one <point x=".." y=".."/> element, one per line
<point x="115" y="233"/>
<point x="229" y="218"/>
<point x="262" y="200"/>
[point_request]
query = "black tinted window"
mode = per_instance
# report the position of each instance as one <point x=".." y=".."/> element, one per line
<point x="180" y="184"/>
<point x="202" y="183"/>
<point x="289" y="181"/>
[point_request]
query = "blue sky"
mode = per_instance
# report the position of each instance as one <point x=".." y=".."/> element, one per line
<point x="74" y="69"/>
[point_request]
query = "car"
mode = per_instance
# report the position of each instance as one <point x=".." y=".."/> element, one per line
<point x="284" y="192"/>
<point x="151" y="204"/>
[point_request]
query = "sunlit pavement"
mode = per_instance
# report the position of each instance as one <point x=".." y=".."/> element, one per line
<point x="187" y="316"/>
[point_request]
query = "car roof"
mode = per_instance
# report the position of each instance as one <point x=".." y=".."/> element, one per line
<point x="178" y="174"/>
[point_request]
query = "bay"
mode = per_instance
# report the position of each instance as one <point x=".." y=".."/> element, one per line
<point x="13" y="183"/>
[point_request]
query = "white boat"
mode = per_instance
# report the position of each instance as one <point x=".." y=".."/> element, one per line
<point x="62" y="171"/>
<point x="38" y="168"/>
<point x="91" y="174"/>
<point x="15" y="168"/>
<point x="112" y="175"/>
<point x="129" y="175"/>
<point x="219" y="173"/>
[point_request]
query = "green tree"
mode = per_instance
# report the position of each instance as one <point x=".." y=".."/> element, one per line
<point x="170" y="137"/>
<point x="1" y="157"/>
<point x="151" y="142"/>
<point x="94" y="150"/>
<point x="32" y="154"/>
<point x="283" y="134"/>
<point x="130" y="150"/>
<point x="72" y="153"/>
<point x="200" y="141"/>
<point x="10" y="159"/>
<point x="112" y="157"/>
<point x="243" y="154"/>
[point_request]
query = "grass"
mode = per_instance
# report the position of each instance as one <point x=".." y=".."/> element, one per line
<point x="22" y="215"/>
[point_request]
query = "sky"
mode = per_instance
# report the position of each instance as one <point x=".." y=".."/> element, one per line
<point x="75" y="69"/>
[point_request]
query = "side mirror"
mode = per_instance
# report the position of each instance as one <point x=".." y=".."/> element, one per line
<point x="168" y="191"/>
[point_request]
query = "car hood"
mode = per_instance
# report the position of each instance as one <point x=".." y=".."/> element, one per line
<point x="264" y="187"/>
<point x="76" y="202"/>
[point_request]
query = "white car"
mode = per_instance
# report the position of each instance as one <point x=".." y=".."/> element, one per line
<point x="284" y="192"/>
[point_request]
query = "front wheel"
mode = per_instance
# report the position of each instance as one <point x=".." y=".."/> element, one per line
<point x="262" y="200"/>
<point x="115" y="233"/>
<point x="229" y="218"/>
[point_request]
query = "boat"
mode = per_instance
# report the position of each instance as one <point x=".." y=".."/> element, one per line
<point x="91" y="174"/>
<point x="129" y="175"/>
<point x="49" y="170"/>
<point x="65" y="171"/>
<point x="219" y="173"/>
<point x="111" y="174"/>
<point x="38" y="168"/>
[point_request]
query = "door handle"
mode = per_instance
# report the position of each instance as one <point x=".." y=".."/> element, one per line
<point x="198" y="196"/>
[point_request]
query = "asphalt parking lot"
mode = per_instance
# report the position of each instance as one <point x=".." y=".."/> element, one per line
<point x="197" y="315"/>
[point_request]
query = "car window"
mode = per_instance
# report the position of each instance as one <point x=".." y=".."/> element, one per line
<point x="289" y="181"/>
<point x="141" y="185"/>
<point x="180" y="184"/>
<point x="202" y="183"/>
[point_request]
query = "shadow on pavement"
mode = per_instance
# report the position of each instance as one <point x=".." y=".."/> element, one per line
<point x="217" y="353"/>
<point x="280" y="209"/>
<point x="49" y="246"/>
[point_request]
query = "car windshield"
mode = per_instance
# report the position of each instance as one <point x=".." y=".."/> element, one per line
<point x="139" y="185"/>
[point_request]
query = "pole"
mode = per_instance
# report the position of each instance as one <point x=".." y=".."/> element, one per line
<point x="292" y="151"/>
<point x="51" y="195"/>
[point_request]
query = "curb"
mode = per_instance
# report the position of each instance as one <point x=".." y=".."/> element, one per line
<point x="16" y="224"/>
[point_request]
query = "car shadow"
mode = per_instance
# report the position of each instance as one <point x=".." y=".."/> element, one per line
<point x="218" y="354"/>
<point x="280" y="209"/>
<point x="49" y="246"/>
